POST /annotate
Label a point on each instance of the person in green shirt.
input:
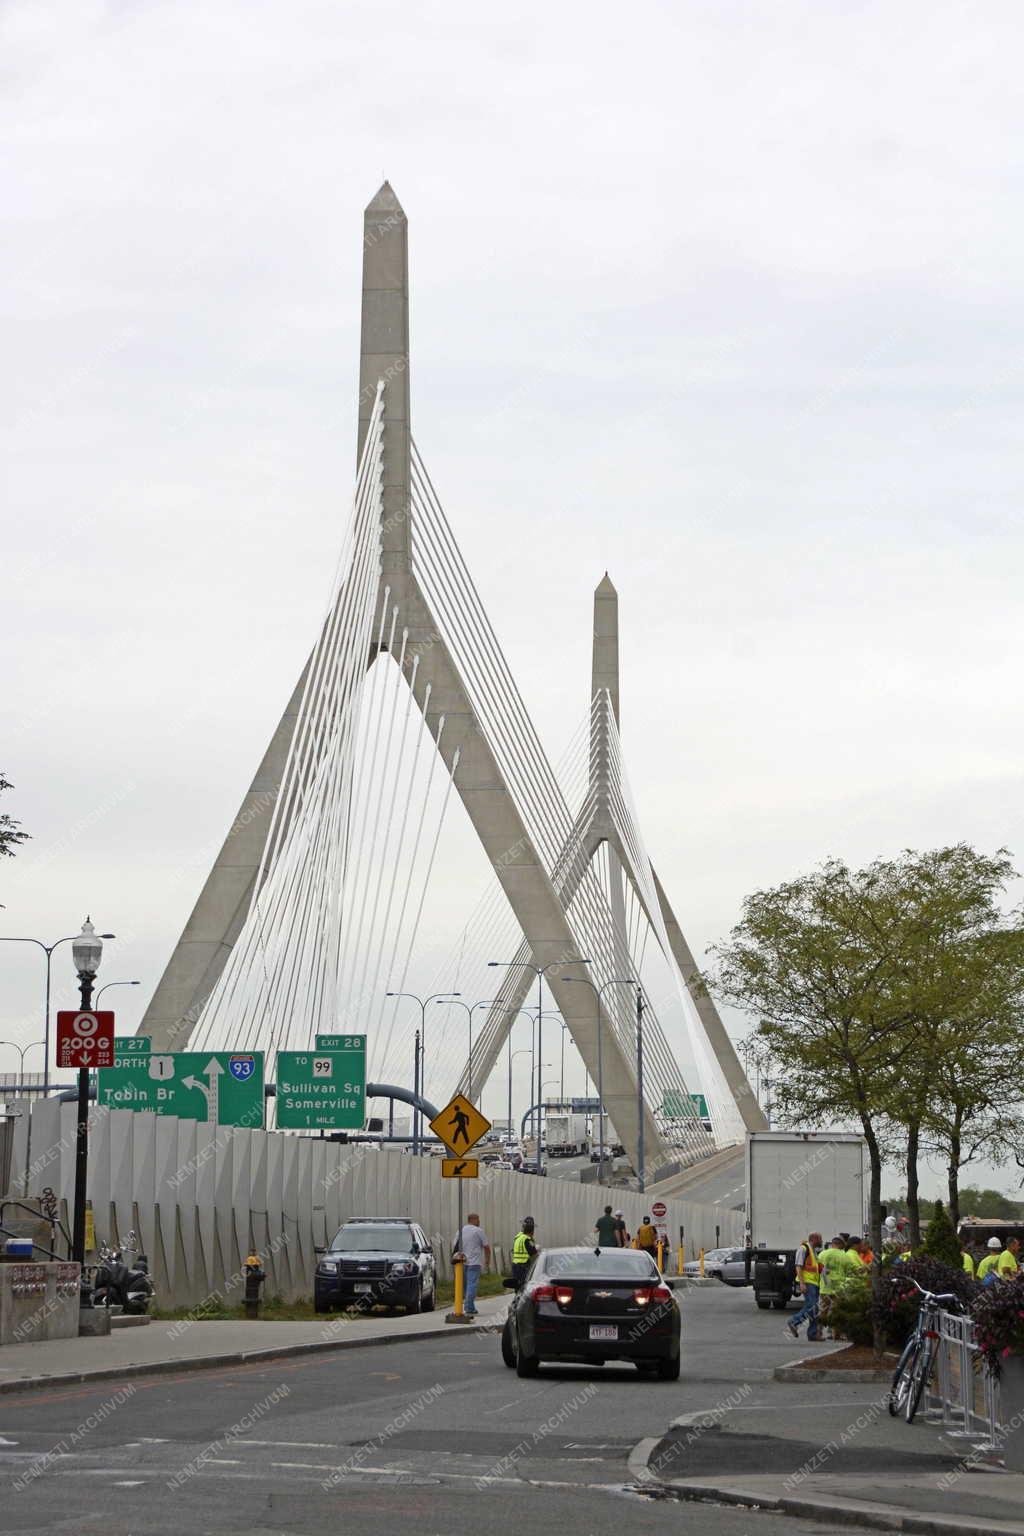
(967, 1259)
(991, 1258)
(834, 1266)
(1006, 1264)
(607, 1229)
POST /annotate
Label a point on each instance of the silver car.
(726, 1264)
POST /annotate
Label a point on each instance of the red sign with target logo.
(85, 1039)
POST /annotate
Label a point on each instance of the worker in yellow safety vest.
(1006, 1264)
(808, 1274)
(991, 1258)
(524, 1251)
(968, 1260)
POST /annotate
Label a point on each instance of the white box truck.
(799, 1182)
(565, 1134)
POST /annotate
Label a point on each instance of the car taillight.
(648, 1293)
(561, 1293)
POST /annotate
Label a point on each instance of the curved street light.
(48, 950)
(598, 991)
(107, 984)
(22, 1051)
(418, 1056)
(538, 970)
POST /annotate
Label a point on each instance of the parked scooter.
(127, 1286)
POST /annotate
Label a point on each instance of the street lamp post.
(47, 950)
(640, 1168)
(527, 1050)
(538, 970)
(487, 1002)
(616, 981)
(87, 951)
(421, 1056)
(21, 1050)
(107, 984)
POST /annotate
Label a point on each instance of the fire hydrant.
(254, 1278)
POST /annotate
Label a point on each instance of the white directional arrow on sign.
(210, 1090)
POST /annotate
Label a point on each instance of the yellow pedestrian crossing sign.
(460, 1168)
(459, 1125)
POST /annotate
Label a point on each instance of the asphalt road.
(430, 1437)
(726, 1186)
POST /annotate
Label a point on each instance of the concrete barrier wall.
(202, 1197)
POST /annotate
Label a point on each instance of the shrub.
(998, 1312)
(940, 1240)
(850, 1315)
(897, 1304)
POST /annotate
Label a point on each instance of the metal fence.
(962, 1394)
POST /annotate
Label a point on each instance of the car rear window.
(624, 1263)
(370, 1237)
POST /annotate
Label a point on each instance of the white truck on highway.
(799, 1182)
(565, 1134)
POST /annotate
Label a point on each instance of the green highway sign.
(323, 1089)
(341, 1043)
(219, 1087)
(676, 1107)
(131, 1045)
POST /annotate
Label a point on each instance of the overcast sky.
(724, 298)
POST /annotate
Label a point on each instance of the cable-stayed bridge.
(317, 905)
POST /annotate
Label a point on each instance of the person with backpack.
(647, 1238)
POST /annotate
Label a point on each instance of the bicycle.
(918, 1357)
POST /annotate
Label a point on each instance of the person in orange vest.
(808, 1274)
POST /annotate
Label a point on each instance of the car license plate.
(365, 1289)
(603, 1331)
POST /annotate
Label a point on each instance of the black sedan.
(591, 1305)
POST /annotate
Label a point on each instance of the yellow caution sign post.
(460, 1126)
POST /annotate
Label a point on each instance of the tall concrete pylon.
(597, 825)
(440, 694)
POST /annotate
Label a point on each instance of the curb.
(799, 1370)
(840, 1511)
(215, 1362)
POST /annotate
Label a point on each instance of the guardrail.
(962, 1394)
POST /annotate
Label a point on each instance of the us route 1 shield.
(218, 1087)
(322, 1090)
(460, 1168)
(460, 1125)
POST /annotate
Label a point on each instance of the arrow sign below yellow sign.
(460, 1168)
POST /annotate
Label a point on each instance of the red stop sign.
(85, 1039)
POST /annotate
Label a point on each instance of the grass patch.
(274, 1309)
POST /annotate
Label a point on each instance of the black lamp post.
(87, 951)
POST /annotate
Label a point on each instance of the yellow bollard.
(702, 1263)
(679, 1259)
(661, 1257)
(460, 1286)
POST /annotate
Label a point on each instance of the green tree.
(940, 1240)
(10, 836)
(989, 1202)
(816, 961)
(881, 992)
(959, 965)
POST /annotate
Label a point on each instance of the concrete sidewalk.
(819, 1445)
(185, 1346)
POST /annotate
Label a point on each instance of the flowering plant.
(998, 1313)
